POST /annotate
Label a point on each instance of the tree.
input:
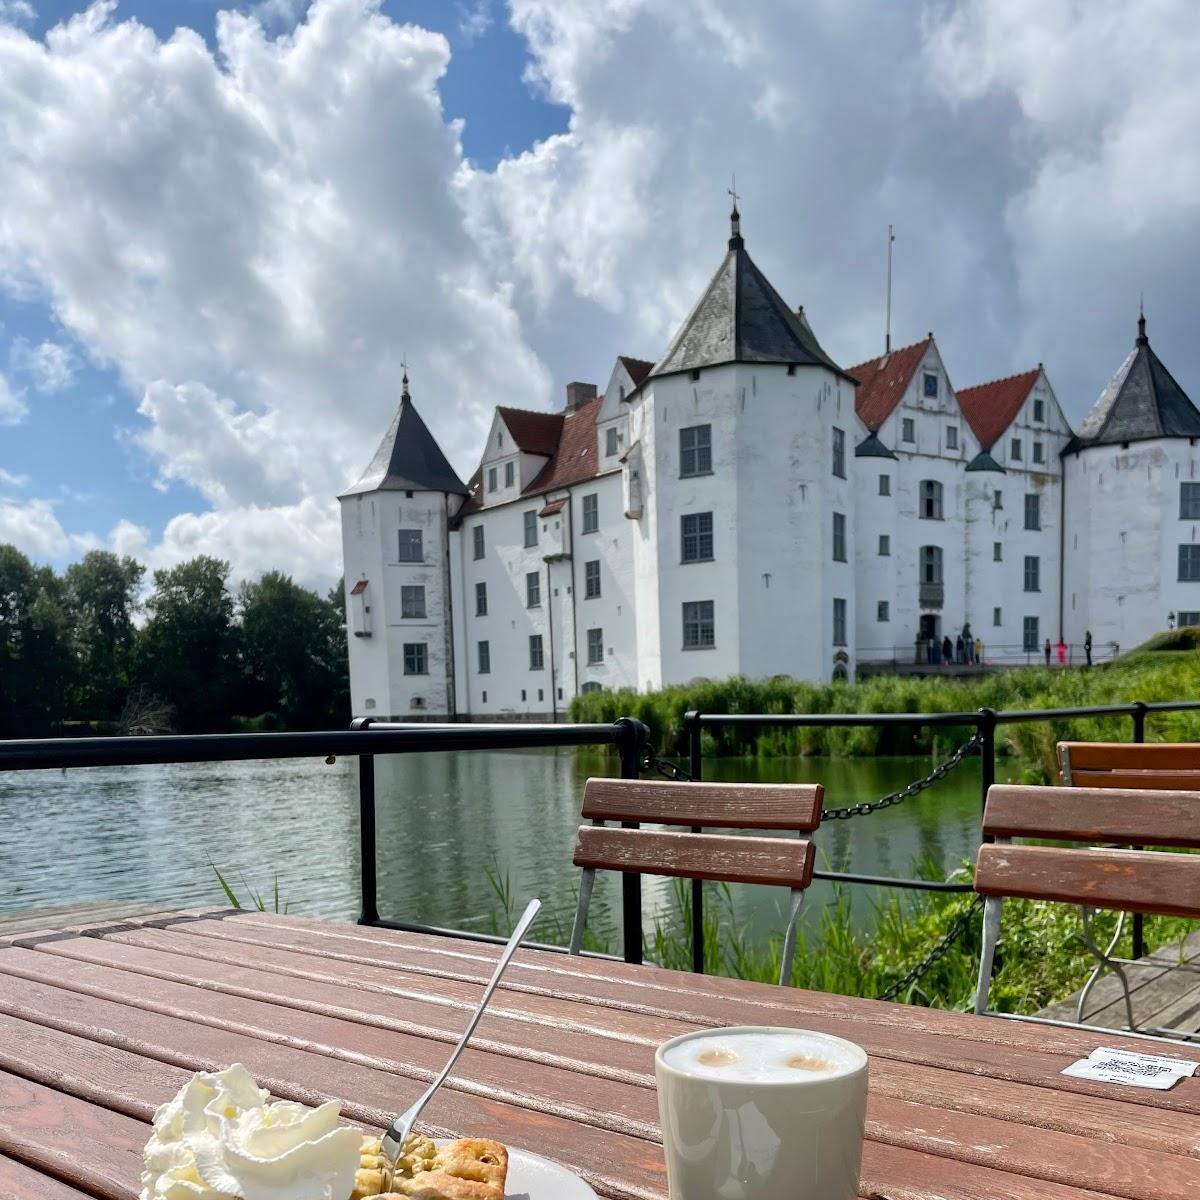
(102, 599)
(293, 653)
(189, 644)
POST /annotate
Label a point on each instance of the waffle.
(466, 1169)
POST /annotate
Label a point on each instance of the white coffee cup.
(761, 1113)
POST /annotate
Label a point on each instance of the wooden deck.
(64, 916)
(1165, 988)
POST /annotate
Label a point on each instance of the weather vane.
(733, 190)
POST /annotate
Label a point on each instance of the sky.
(223, 227)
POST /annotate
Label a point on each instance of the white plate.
(531, 1177)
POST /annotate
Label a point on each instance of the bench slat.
(1127, 880)
(1077, 814)
(1109, 756)
(782, 806)
(782, 861)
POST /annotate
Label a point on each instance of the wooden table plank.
(19, 1182)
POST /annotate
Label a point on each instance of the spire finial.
(735, 219)
(1142, 339)
(404, 380)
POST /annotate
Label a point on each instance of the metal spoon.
(398, 1131)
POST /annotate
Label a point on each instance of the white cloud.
(16, 12)
(12, 479)
(34, 528)
(475, 19)
(12, 404)
(50, 365)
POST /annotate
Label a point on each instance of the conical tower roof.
(1142, 401)
(742, 318)
(409, 458)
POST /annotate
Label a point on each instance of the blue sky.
(73, 447)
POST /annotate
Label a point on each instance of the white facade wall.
(371, 525)
(1121, 569)
(877, 544)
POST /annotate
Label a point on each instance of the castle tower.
(395, 545)
(1132, 476)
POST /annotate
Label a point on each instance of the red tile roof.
(638, 368)
(991, 407)
(534, 432)
(553, 507)
(576, 458)
(882, 382)
(359, 588)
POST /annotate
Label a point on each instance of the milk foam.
(786, 1056)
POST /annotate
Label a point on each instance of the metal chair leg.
(581, 910)
(992, 908)
(1103, 959)
(789, 938)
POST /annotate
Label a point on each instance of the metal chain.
(936, 954)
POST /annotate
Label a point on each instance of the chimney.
(579, 393)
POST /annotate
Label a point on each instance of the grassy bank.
(1167, 668)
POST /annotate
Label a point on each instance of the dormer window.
(610, 441)
(931, 384)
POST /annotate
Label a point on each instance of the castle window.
(996, 617)
(881, 611)
(536, 661)
(416, 658)
(491, 479)
(1031, 637)
(509, 474)
(1015, 450)
(931, 384)
(1039, 410)
(1039, 452)
(533, 590)
(997, 552)
(611, 445)
(696, 540)
(839, 452)
(1033, 511)
(699, 627)
(931, 564)
(885, 545)
(412, 601)
(477, 533)
(1188, 618)
(695, 450)
(839, 537)
(951, 437)
(481, 599)
(1033, 573)
(1189, 563)
(595, 646)
(908, 430)
(1189, 501)
(591, 513)
(591, 579)
(410, 549)
(931, 500)
(997, 499)
(485, 658)
(885, 485)
(590, 687)
(839, 622)
(531, 527)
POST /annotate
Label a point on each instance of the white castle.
(746, 506)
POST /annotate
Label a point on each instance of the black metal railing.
(984, 722)
(365, 740)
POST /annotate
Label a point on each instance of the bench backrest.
(789, 862)
(1170, 765)
(1127, 880)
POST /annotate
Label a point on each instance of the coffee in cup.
(762, 1113)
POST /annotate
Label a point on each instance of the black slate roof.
(1142, 401)
(983, 461)
(408, 459)
(872, 447)
(742, 318)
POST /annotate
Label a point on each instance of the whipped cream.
(219, 1139)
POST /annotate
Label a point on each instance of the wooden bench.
(1170, 765)
(1093, 876)
(786, 862)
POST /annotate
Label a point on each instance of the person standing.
(947, 651)
(969, 642)
(1046, 650)
(979, 650)
(960, 650)
(1087, 646)
(1061, 651)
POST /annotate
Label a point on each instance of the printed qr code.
(1126, 1067)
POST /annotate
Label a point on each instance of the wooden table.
(99, 1025)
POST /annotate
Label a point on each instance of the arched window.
(931, 564)
(931, 500)
(591, 686)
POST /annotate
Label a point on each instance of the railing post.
(632, 737)
(987, 755)
(1138, 712)
(691, 721)
(366, 829)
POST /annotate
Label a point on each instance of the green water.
(149, 833)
